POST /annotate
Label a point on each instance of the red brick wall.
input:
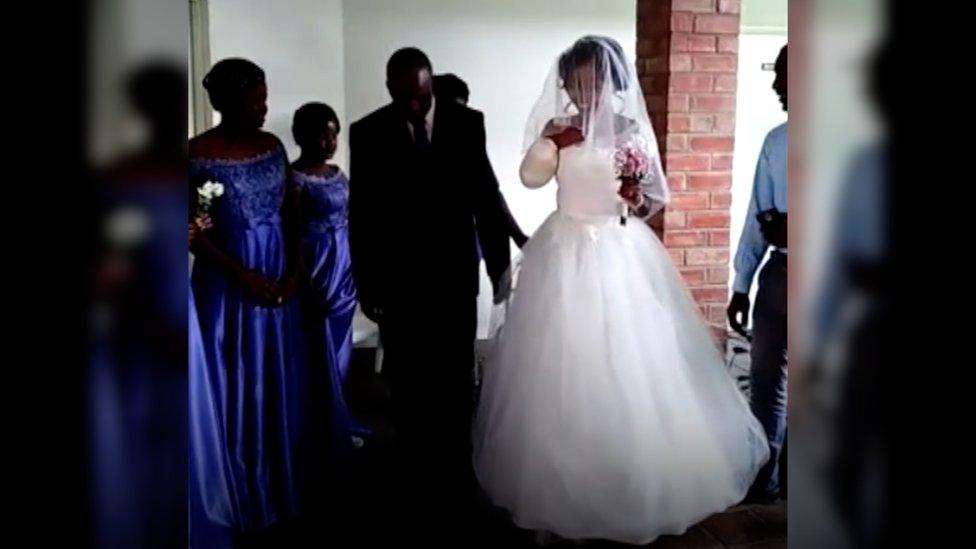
(687, 55)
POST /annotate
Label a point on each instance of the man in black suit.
(422, 195)
(450, 87)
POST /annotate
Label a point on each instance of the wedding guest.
(329, 303)
(765, 228)
(450, 87)
(423, 196)
(244, 275)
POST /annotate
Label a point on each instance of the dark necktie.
(420, 139)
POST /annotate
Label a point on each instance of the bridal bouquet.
(630, 162)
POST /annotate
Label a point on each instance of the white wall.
(299, 45)
(758, 110)
(503, 49)
(336, 51)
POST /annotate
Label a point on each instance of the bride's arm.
(542, 159)
(653, 189)
(540, 163)
(650, 194)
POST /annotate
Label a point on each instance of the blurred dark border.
(49, 239)
(52, 228)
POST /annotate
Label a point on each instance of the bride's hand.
(630, 191)
(567, 137)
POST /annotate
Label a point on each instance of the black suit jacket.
(414, 218)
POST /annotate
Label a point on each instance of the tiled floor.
(753, 526)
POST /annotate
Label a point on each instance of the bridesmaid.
(244, 275)
(330, 302)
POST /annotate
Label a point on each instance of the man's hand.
(738, 313)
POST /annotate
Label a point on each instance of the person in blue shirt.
(765, 229)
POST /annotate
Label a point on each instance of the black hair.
(310, 121)
(782, 57)
(405, 59)
(587, 49)
(883, 69)
(230, 80)
(156, 86)
(449, 86)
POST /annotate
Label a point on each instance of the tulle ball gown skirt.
(606, 410)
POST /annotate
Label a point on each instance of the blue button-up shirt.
(768, 193)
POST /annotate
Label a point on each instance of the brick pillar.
(687, 55)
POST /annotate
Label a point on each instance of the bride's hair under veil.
(593, 87)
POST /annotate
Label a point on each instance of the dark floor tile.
(732, 528)
(694, 538)
(771, 514)
(770, 544)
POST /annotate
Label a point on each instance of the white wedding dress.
(606, 410)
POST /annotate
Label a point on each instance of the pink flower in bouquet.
(631, 161)
(631, 164)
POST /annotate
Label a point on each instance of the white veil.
(593, 87)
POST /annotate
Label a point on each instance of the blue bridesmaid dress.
(252, 393)
(329, 303)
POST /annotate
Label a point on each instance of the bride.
(606, 410)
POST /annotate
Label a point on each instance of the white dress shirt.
(428, 122)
